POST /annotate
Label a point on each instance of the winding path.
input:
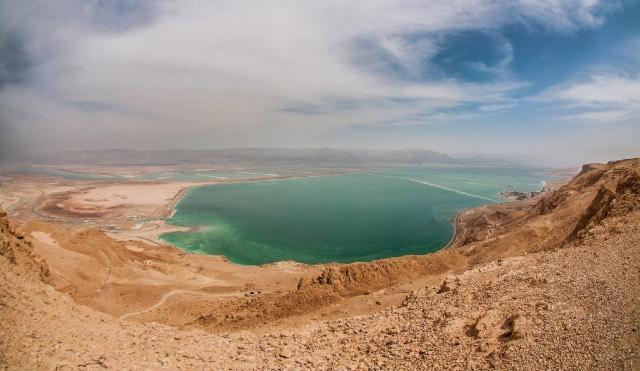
(167, 296)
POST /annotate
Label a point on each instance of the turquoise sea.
(340, 218)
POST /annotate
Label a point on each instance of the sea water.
(339, 218)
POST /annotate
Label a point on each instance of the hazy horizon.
(556, 82)
(273, 156)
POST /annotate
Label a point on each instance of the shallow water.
(340, 218)
(60, 173)
(178, 175)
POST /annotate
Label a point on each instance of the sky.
(557, 81)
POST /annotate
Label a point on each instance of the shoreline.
(170, 209)
(459, 227)
(456, 224)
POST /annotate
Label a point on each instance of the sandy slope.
(563, 293)
(577, 307)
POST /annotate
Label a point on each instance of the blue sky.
(558, 81)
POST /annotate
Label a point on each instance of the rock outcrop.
(18, 252)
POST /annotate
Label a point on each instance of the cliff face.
(599, 191)
(618, 193)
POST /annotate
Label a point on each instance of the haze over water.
(340, 218)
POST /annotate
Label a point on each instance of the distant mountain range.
(254, 157)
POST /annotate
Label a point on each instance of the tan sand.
(146, 232)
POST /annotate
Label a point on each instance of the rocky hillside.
(18, 254)
(568, 300)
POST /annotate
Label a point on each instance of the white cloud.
(602, 89)
(497, 107)
(223, 73)
(606, 116)
(601, 97)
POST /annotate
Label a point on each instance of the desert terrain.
(549, 282)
